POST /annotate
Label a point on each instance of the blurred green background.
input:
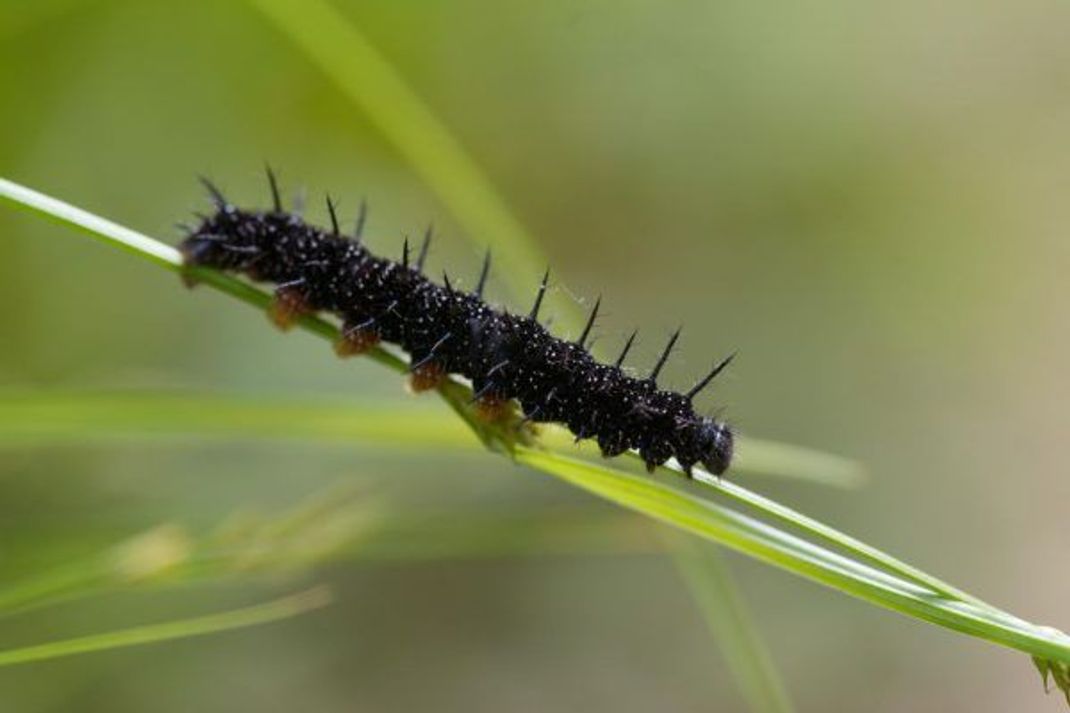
(866, 200)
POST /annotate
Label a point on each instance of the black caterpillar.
(448, 331)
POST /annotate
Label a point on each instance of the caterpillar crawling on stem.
(445, 331)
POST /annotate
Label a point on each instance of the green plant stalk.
(706, 571)
(455, 394)
(829, 535)
(47, 417)
(32, 418)
(182, 629)
(767, 544)
(339, 49)
(896, 588)
(365, 76)
(70, 581)
(259, 547)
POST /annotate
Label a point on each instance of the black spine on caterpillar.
(447, 331)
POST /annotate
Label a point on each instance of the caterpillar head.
(715, 446)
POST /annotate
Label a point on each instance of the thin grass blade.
(335, 44)
(787, 551)
(39, 417)
(182, 629)
(705, 571)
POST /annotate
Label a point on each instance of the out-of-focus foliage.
(866, 201)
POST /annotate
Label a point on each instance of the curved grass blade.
(456, 395)
(907, 593)
(706, 572)
(326, 530)
(40, 418)
(314, 531)
(787, 551)
(367, 78)
(30, 418)
(825, 533)
(338, 48)
(758, 455)
(277, 610)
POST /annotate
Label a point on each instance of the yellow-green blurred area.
(867, 201)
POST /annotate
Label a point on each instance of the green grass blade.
(706, 573)
(182, 629)
(330, 526)
(163, 255)
(757, 455)
(70, 581)
(339, 49)
(100, 228)
(787, 551)
(372, 83)
(364, 75)
(34, 418)
(780, 513)
(38, 417)
(455, 394)
(852, 567)
(1054, 672)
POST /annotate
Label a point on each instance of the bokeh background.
(867, 201)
